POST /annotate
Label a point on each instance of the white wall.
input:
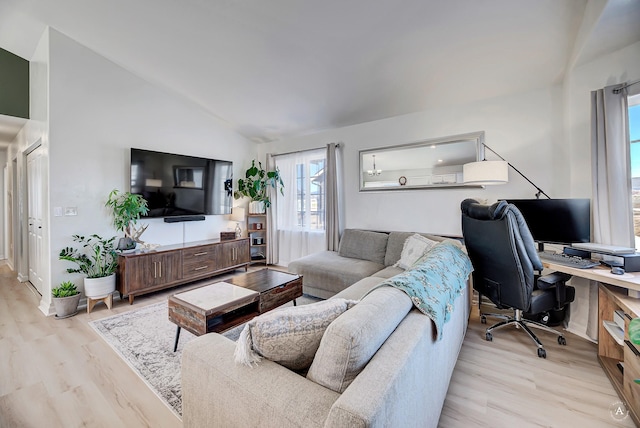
(525, 129)
(99, 110)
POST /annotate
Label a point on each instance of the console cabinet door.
(233, 253)
(149, 271)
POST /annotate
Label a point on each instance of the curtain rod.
(625, 86)
(301, 151)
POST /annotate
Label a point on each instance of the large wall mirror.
(434, 163)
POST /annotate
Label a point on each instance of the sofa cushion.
(388, 272)
(360, 289)
(288, 336)
(326, 273)
(364, 245)
(355, 336)
(396, 241)
(414, 247)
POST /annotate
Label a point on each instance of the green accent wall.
(14, 85)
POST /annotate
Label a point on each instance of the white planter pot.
(100, 287)
(257, 207)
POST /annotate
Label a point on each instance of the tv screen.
(556, 221)
(180, 185)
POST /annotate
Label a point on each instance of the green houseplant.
(634, 335)
(65, 299)
(126, 209)
(97, 259)
(255, 185)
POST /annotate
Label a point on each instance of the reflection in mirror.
(426, 164)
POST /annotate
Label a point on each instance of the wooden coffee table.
(219, 306)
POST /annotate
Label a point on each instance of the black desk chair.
(505, 259)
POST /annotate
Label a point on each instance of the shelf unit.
(257, 230)
(612, 354)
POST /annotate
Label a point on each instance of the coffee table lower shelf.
(218, 324)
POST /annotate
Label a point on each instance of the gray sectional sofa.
(362, 254)
(379, 364)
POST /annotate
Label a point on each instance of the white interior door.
(35, 207)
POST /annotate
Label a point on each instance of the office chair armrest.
(557, 280)
(551, 280)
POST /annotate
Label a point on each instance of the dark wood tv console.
(144, 272)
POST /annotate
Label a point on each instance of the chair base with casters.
(523, 323)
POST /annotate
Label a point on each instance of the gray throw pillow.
(355, 336)
(363, 245)
(289, 336)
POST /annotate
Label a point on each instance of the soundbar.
(179, 218)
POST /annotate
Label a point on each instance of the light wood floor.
(60, 373)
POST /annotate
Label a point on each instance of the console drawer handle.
(204, 253)
(201, 267)
(633, 348)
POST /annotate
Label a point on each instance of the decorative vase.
(257, 207)
(126, 244)
(66, 306)
(100, 287)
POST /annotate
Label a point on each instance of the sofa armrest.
(218, 392)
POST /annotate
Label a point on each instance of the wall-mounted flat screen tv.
(180, 185)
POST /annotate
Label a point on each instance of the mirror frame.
(479, 142)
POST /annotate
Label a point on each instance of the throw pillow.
(288, 336)
(414, 247)
(354, 337)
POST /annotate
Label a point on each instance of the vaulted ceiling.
(277, 68)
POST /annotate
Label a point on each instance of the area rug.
(144, 339)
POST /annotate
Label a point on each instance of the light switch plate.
(70, 210)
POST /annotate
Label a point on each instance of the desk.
(630, 280)
(612, 296)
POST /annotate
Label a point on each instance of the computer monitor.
(556, 221)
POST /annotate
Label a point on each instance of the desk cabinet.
(612, 354)
(140, 273)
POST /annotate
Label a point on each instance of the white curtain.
(611, 187)
(334, 204)
(272, 221)
(297, 234)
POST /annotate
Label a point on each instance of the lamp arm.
(540, 191)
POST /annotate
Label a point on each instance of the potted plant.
(97, 258)
(634, 335)
(255, 186)
(65, 299)
(126, 210)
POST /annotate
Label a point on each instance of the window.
(300, 211)
(304, 178)
(310, 194)
(634, 138)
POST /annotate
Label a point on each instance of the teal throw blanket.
(434, 281)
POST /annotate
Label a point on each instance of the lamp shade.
(237, 214)
(485, 172)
